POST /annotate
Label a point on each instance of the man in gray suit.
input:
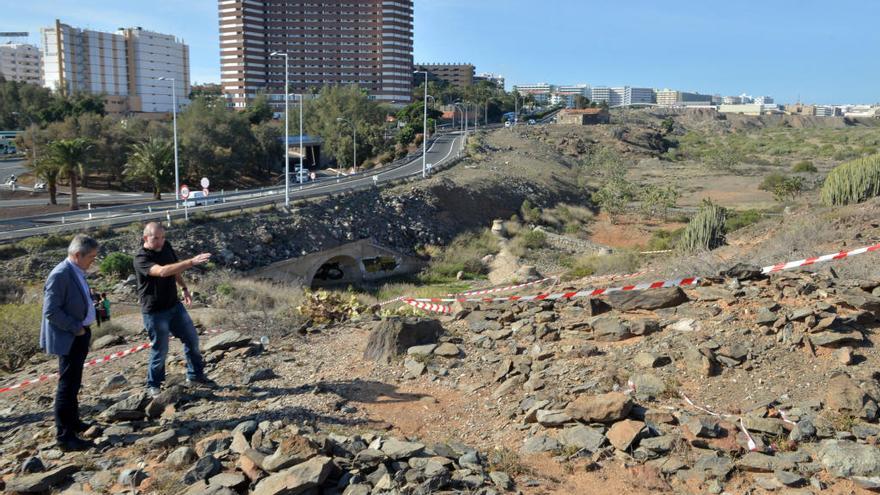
(67, 313)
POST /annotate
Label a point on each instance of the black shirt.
(156, 293)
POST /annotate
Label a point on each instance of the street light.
(174, 114)
(287, 133)
(424, 125)
(463, 108)
(353, 139)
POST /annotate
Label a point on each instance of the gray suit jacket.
(65, 307)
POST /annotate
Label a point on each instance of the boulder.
(610, 329)
(648, 386)
(538, 444)
(297, 479)
(844, 458)
(743, 271)
(582, 438)
(604, 408)
(41, 482)
(107, 341)
(843, 395)
(203, 469)
(447, 349)
(646, 299)
(225, 341)
(291, 451)
(393, 336)
(396, 449)
(624, 434)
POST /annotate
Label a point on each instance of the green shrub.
(19, 334)
(771, 182)
(40, 243)
(118, 264)
(530, 214)
(852, 182)
(662, 240)
(805, 166)
(706, 230)
(9, 251)
(619, 262)
(739, 219)
(463, 254)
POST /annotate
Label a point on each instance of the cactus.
(706, 229)
(852, 182)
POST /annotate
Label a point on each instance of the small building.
(750, 109)
(584, 116)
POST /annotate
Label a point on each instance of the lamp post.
(424, 125)
(353, 139)
(174, 117)
(286, 131)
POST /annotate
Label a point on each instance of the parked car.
(198, 198)
(531, 121)
(506, 123)
(40, 186)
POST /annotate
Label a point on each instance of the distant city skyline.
(792, 50)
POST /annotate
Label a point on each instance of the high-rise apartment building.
(20, 62)
(124, 66)
(328, 42)
(460, 75)
(638, 96)
(540, 91)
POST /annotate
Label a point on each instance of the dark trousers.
(70, 369)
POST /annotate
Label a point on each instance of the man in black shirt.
(158, 272)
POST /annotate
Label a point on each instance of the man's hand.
(200, 259)
(81, 332)
(187, 297)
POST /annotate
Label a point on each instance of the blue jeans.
(174, 321)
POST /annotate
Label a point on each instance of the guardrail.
(171, 214)
(224, 196)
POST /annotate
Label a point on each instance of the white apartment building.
(601, 94)
(541, 92)
(124, 66)
(731, 100)
(20, 62)
(638, 96)
(496, 79)
(763, 100)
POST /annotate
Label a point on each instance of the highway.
(441, 150)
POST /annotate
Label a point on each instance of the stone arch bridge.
(351, 263)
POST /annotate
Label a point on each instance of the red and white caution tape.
(88, 364)
(436, 308)
(680, 282)
(819, 259)
(501, 289)
(385, 303)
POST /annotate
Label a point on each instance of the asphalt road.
(11, 167)
(444, 147)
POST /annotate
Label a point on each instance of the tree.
(581, 101)
(69, 155)
(614, 196)
(352, 104)
(153, 161)
(49, 172)
(259, 110)
(657, 200)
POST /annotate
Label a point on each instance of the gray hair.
(82, 245)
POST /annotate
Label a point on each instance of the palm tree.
(49, 172)
(152, 160)
(68, 155)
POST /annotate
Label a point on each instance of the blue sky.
(820, 51)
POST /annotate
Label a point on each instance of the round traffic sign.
(205, 191)
(205, 183)
(184, 191)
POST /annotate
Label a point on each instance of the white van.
(198, 198)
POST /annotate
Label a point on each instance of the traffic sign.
(205, 191)
(205, 183)
(184, 191)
